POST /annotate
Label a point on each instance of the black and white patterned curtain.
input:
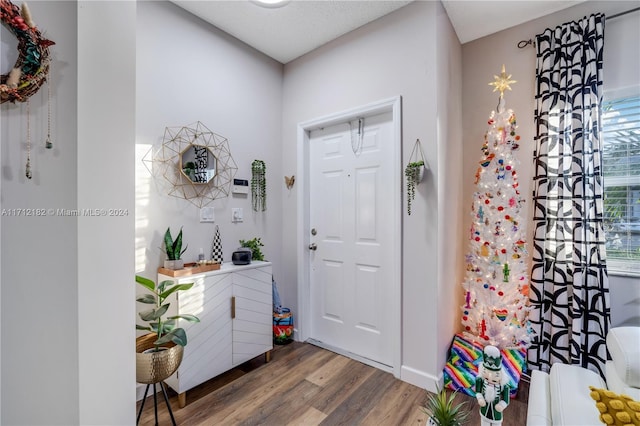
(569, 282)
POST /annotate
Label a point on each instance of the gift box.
(465, 356)
(282, 327)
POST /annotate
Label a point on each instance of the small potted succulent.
(443, 412)
(174, 250)
(159, 353)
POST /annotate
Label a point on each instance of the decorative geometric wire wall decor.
(192, 163)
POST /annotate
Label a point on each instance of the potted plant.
(258, 185)
(414, 173)
(159, 353)
(189, 170)
(443, 412)
(174, 250)
(254, 245)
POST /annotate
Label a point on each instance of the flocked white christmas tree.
(496, 284)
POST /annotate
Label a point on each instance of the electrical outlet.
(236, 214)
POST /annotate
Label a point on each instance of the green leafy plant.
(189, 169)
(165, 329)
(442, 410)
(173, 247)
(412, 172)
(254, 245)
(258, 185)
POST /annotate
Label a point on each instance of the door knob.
(313, 246)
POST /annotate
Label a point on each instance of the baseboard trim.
(420, 378)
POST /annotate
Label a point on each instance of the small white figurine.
(492, 387)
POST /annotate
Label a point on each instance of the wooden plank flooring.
(306, 385)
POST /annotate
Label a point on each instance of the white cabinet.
(235, 307)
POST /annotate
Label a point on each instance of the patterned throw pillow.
(618, 410)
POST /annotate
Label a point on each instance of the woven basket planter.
(154, 367)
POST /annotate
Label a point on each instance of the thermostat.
(240, 186)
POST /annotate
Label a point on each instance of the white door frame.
(393, 105)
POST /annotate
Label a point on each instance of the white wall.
(105, 281)
(452, 211)
(189, 71)
(39, 264)
(482, 59)
(395, 55)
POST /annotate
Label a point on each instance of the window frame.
(617, 266)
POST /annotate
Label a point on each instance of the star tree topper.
(502, 82)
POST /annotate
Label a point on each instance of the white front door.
(352, 209)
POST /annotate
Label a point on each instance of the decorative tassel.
(48, 144)
(27, 169)
(26, 15)
(14, 78)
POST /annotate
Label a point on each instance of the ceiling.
(300, 26)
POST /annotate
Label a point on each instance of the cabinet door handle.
(233, 307)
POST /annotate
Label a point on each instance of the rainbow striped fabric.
(466, 356)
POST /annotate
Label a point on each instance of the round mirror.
(198, 164)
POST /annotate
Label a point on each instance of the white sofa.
(561, 397)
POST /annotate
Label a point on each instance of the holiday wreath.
(32, 67)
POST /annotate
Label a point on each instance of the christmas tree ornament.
(501, 83)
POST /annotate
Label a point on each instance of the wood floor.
(307, 385)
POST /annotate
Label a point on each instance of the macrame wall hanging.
(31, 69)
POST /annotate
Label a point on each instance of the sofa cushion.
(539, 403)
(615, 383)
(623, 344)
(570, 400)
(619, 410)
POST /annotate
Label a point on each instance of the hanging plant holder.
(414, 172)
(258, 185)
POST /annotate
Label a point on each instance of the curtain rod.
(623, 13)
(524, 43)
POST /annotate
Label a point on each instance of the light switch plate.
(236, 214)
(207, 215)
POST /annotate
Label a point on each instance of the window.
(621, 167)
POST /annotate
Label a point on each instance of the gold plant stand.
(154, 367)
